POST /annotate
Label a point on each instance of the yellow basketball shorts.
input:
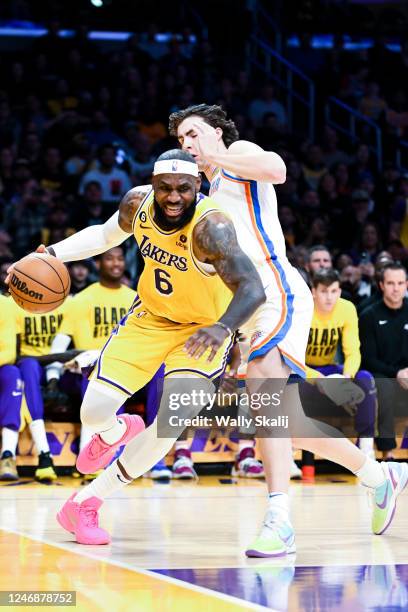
(142, 342)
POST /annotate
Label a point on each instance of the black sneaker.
(45, 470)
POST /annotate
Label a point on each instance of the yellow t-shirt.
(174, 284)
(37, 331)
(9, 326)
(328, 332)
(92, 314)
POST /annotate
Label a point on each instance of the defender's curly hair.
(213, 115)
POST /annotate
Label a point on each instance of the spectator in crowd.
(332, 155)
(314, 167)
(372, 104)
(384, 346)
(90, 210)
(375, 296)
(334, 328)
(79, 273)
(368, 244)
(399, 213)
(318, 257)
(267, 103)
(114, 181)
(11, 390)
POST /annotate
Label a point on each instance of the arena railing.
(295, 89)
(351, 123)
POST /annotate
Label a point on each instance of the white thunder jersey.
(284, 319)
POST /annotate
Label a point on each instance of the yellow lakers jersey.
(330, 331)
(92, 314)
(9, 326)
(37, 331)
(174, 284)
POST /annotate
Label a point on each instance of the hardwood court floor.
(179, 545)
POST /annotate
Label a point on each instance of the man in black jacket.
(384, 349)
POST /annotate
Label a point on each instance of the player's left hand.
(39, 249)
(206, 140)
(206, 338)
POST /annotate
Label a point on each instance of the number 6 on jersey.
(162, 282)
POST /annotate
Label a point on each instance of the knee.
(29, 366)
(365, 380)
(10, 373)
(98, 406)
(365, 375)
(90, 414)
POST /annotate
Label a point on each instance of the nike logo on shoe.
(16, 393)
(382, 322)
(383, 504)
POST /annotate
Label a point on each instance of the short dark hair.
(92, 184)
(317, 247)
(214, 115)
(176, 154)
(326, 277)
(393, 265)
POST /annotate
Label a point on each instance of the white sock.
(182, 444)
(86, 435)
(366, 444)
(9, 440)
(114, 433)
(37, 429)
(111, 480)
(245, 444)
(279, 503)
(371, 473)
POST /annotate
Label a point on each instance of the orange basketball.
(39, 283)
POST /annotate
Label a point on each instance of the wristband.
(225, 327)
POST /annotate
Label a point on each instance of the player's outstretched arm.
(97, 239)
(215, 242)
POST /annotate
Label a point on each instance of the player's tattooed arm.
(215, 242)
(129, 206)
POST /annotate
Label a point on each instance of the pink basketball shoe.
(246, 466)
(97, 454)
(82, 521)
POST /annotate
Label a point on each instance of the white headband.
(175, 166)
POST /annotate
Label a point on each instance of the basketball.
(39, 283)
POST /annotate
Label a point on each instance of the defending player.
(242, 177)
(196, 289)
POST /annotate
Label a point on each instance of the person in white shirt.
(114, 181)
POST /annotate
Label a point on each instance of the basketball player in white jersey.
(242, 176)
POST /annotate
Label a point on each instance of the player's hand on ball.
(206, 338)
(39, 249)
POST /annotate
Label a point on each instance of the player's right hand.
(206, 338)
(39, 249)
